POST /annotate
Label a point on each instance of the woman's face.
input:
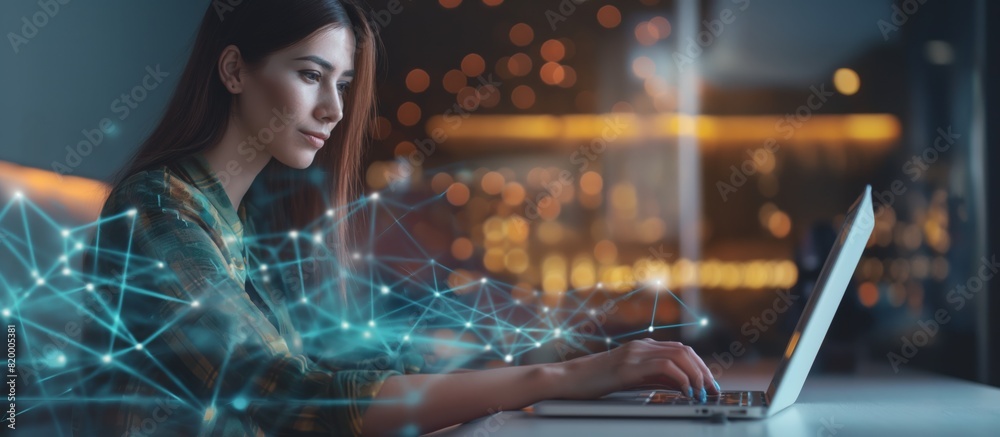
(289, 105)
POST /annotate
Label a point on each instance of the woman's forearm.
(433, 402)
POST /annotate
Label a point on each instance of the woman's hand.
(636, 364)
(447, 399)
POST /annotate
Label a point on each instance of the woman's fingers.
(671, 362)
(692, 365)
(683, 360)
(710, 384)
(655, 370)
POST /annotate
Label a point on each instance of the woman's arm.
(442, 400)
(196, 322)
(432, 402)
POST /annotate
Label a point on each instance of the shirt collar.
(201, 176)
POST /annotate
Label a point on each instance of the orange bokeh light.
(417, 80)
(408, 114)
(553, 50)
(521, 34)
(458, 194)
(473, 65)
(609, 16)
(523, 97)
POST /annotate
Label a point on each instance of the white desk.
(883, 404)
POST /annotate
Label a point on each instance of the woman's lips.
(317, 142)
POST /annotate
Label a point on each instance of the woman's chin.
(299, 161)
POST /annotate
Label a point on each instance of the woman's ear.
(230, 67)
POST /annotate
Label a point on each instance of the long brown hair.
(199, 109)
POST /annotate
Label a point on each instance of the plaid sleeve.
(197, 320)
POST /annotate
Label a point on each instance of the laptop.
(795, 363)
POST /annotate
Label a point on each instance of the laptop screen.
(822, 305)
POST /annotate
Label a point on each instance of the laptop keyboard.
(661, 397)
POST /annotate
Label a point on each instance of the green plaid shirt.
(218, 367)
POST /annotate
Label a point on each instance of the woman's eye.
(344, 87)
(311, 75)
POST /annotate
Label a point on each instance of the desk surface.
(887, 404)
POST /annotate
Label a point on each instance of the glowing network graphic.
(402, 300)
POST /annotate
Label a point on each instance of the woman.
(203, 343)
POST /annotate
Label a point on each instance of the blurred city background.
(584, 147)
